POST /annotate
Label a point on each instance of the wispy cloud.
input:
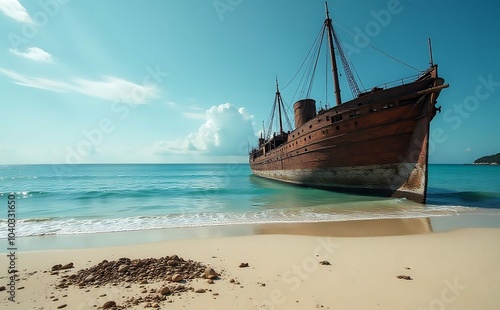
(15, 10)
(194, 113)
(108, 88)
(113, 88)
(35, 54)
(36, 82)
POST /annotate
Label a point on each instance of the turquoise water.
(78, 199)
(466, 185)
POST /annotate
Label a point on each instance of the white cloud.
(113, 88)
(15, 10)
(226, 131)
(108, 88)
(35, 54)
(35, 82)
(198, 113)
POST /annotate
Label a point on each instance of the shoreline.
(455, 269)
(350, 228)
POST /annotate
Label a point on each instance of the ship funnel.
(304, 111)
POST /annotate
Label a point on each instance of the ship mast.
(280, 102)
(328, 24)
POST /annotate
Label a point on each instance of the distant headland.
(488, 160)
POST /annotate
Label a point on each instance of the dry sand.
(449, 270)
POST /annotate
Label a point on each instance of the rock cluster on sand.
(141, 271)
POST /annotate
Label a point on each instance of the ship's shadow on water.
(276, 193)
(481, 199)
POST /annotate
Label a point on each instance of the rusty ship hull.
(375, 144)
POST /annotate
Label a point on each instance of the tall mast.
(430, 53)
(328, 25)
(278, 99)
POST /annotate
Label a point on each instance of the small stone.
(324, 262)
(123, 268)
(67, 266)
(2, 288)
(62, 306)
(200, 290)
(215, 294)
(165, 290)
(210, 281)
(405, 277)
(231, 281)
(90, 278)
(109, 304)
(210, 273)
(243, 265)
(56, 267)
(177, 277)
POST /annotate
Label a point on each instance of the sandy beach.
(376, 265)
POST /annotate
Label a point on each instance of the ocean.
(104, 198)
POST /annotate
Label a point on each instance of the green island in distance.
(488, 160)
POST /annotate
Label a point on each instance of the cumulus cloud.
(34, 53)
(108, 88)
(15, 10)
(226, 131)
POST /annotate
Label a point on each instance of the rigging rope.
(315, 65)
(356, 72)
(306, 58)
(379, 50)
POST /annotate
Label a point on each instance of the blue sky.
(191, 81)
